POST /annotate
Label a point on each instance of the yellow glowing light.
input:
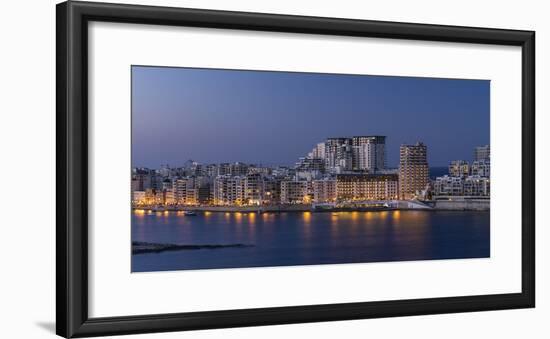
(396, 214)
(307, 217)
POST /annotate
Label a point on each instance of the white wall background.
(27, 153)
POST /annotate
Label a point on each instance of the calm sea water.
(305, 238)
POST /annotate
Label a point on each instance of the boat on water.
(190, 213)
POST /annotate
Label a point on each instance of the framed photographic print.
(222, 169)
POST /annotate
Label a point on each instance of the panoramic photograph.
(250, 168)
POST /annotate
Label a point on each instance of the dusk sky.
(273, 118)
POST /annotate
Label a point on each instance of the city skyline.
(473, 157)
(174, 118)
(347, 172)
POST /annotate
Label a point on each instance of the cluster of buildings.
(466, 179)
(337, 171)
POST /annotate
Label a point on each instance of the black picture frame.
(72, 319)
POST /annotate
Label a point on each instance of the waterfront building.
(229, 190)
(253, 189)
(482, 153)
(179, 187)
(191, 196)
(159, 197)
(138, 197)
(470, 186)
(459, 168)
(272, 190)
(413, 170)
(197, 191)
(149, 196)
(170, 196)
(203, 194)
(360, 187)
(477, 186)
(448, 186)
(191, 190)
(324, 190)
(295, 191)
(481, 168)
(154, 197)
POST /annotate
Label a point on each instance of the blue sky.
(212, 115)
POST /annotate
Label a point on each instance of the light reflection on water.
(300, 238)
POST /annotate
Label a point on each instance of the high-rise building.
(482, 153)
(413, 170)
(359, 153)
(369, 153)
(318, 151)
(339, 154)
